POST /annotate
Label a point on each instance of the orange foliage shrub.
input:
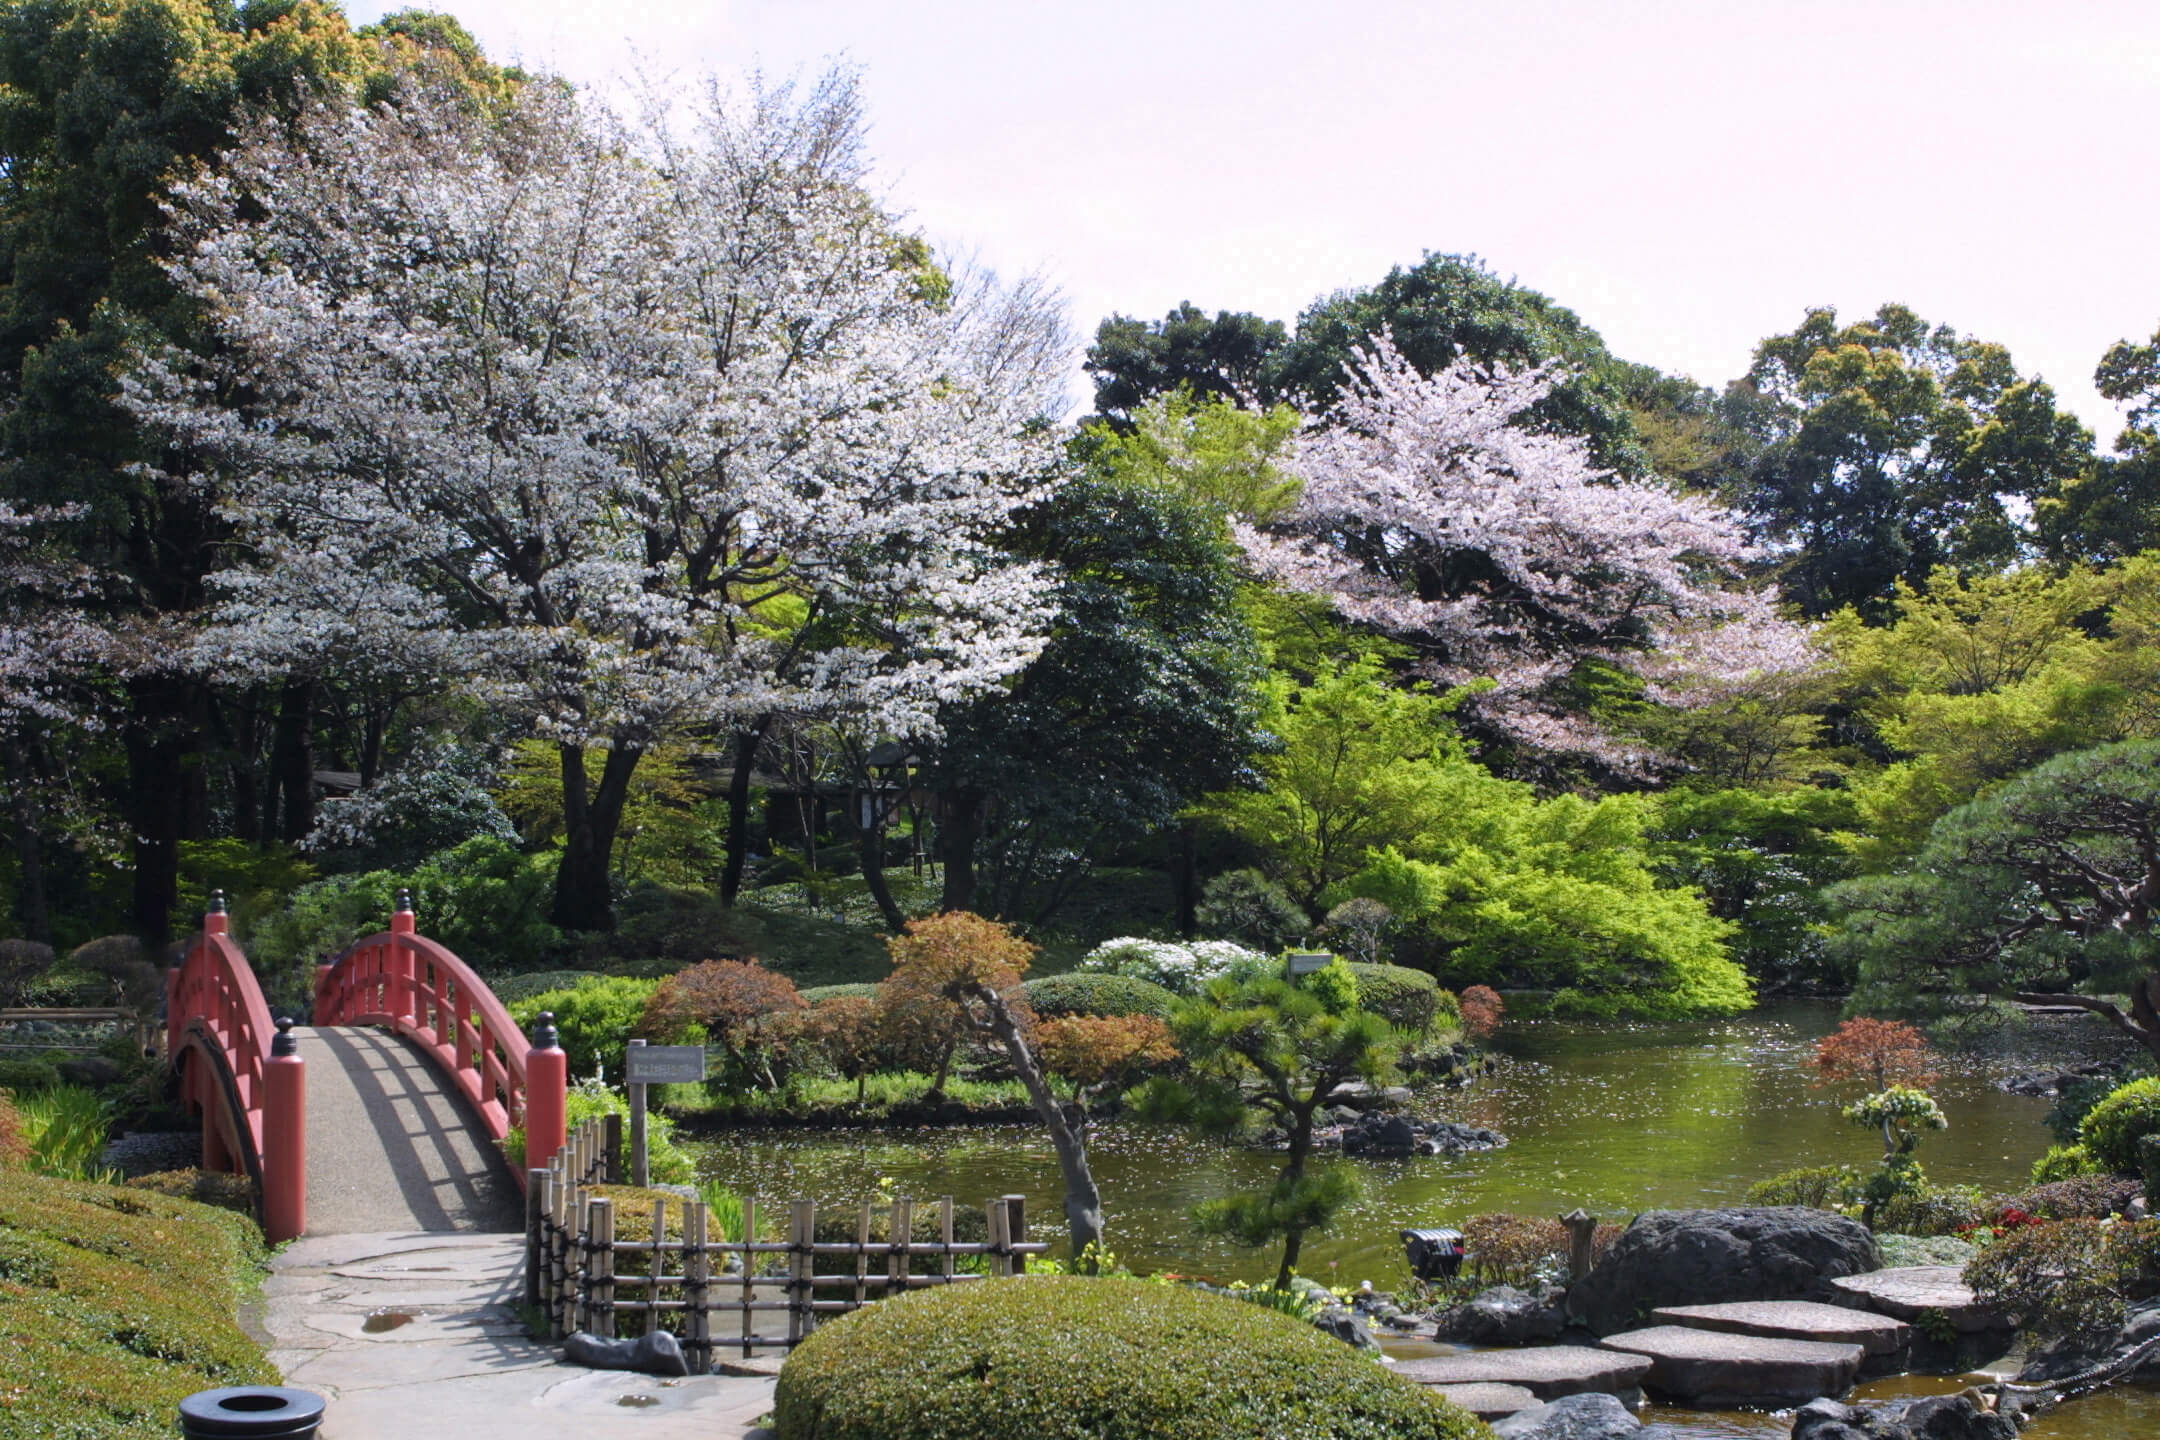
(733, 1000)
(939, 959)
(1877, 1053)
(1481, 1011)
(1092, 1050)
(14, 1150)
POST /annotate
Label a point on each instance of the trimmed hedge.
(24, 1076)
(2111, 1129)
(539, 982)
(116, 1305)
(1090, 994)
(1064, 1357)
(861, 990)
(1405, 998)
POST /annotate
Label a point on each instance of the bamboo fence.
(576, 1272)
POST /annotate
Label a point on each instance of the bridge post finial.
(215, 920)
(284, 1044)
(404, 900)
(547, 1092)
(401, 920)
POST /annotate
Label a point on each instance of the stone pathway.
(419, 1334)
(1720, 1370)
(1546, 1371)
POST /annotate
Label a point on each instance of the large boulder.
(1591, 1416)
(1964, 1416)
(1503, 1315)
(1697, 1257)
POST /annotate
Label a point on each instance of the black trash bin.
(1433, 1253)
(251, 1411)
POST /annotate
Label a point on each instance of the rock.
(1546, 1371)
(1884, 1339)
(1715, 1371)
(1452, 1137)
(1910, 1291)
(1385, 1136)
(1489, 1401)
(2074, 1357)
(1345, 1326)
(1695, 1257)
(1929, 1417)
(1592, 1415)
(1503, 1315)
(655, 1354)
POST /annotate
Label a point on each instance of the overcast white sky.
(1688, 175)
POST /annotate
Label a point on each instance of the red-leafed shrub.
(1877, 1054)
(1481, 1011)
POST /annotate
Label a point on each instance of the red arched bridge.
(386, 1112)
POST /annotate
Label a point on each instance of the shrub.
(1072, 1358)
(204, 1187)
(2110, 1132)
(1934, 1210)
(524, 987)
(858, 990)
(1481, 1009)
(1819, 1187)
(1878, 1054)
(1182, 969)
(2082, 1197)
(1359, 928)
(2075, 1101)
(735, 1002)
(21, 961)
(1502, 1249)
(14, 1150)
(1101, 1053)
(1083, 994)
(1246, 906)
(2064, 1162)
(668, 1162)
(24, 1076)
(119, 1304)
(1407, 999)
(1899, 1251)
(2069, 1277)
(592, 1022)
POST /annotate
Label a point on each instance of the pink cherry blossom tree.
(1506, 554)
(628, 431)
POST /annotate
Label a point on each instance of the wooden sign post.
(644, 1065)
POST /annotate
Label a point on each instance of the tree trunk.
(1293, 1172)
(870, 849)
(747, 745)
(160, 744)
(374, 723)
(584, 898)
(292, 760)
(958, 830)
(1083, 1201)
(237, 735)
(31, 911)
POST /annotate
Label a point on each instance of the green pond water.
(1613, 1118)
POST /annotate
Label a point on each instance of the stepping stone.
(1490, 1402)
(1711, 1370)
(1879, 1335)
(1910, 1290)
(1546, 1371)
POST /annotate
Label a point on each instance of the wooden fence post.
(600, 1241)
(903, 1243)
(697, 1272)
(611, 1146)
(1016, 1229)
(999, 1249)
(802, 1234)
(536, 1183)
(749, 1271)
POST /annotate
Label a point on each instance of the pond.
(1614, 1118)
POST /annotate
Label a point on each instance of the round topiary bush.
(1064, 1357)
(2111, 1131)
(1405, 998)
(1089, 994)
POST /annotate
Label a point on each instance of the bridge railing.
(249, 1081)
(418, 988)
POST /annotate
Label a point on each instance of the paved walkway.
(413, 1336)
(391, 1147)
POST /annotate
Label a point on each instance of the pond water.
(1614, 1118)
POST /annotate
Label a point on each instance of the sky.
(1689, 176)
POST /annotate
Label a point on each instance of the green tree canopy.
(1889, 447)
(2047, 890)
(1224, 358)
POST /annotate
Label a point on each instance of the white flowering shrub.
(1182, 969)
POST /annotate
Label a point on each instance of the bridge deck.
(391, 1147)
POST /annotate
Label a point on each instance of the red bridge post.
(403, 998)
(547, 1094)
(284, 1158)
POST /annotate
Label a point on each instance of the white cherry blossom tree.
(636, 431)
(1507, 554)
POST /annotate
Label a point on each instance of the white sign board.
(663, 1064)
(1305, 962)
